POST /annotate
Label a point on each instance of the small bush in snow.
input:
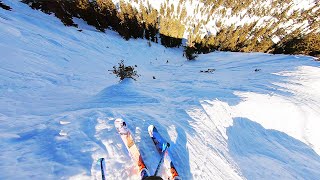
(189, 52)
(208, 71)
(124, 71)
(3, 6)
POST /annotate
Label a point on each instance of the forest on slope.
(207, 25)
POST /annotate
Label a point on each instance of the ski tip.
(150, 130)
(118, 122)
(150, 127)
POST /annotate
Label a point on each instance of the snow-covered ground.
(58, 103)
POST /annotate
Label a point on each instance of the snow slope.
(58, 103)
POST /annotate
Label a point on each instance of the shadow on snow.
(269, 154)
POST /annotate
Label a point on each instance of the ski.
(127, 139)
(161, 158)
(161, 144)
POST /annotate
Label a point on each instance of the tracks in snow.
(208, 146)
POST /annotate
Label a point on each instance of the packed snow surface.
(256, 116)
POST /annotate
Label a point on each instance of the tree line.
(125, 19)
(171, 23)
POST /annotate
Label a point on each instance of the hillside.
(280, 27)
(227, 115)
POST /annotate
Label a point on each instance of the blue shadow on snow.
(118, 95)
(269, 154)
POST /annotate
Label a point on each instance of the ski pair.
(158, 141)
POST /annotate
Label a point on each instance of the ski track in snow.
(58, 103)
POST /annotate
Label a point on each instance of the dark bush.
(124, 71)
(168, 41)
(189, 52)
(208, 71)
(3, 6)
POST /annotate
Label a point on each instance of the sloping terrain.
(250, 116)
